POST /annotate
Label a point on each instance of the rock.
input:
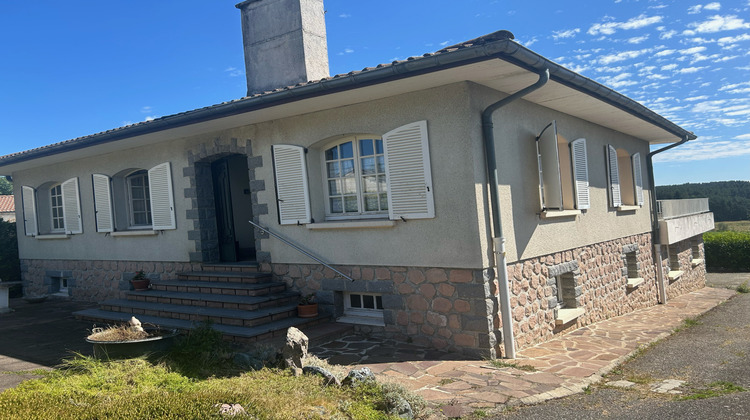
(135, 324)
(231, 409)
(401, 408)
(328, 376)
(357, 376)
(294, 350)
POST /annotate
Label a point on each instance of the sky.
(70, 69)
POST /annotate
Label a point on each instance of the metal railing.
(670, 209)
(291, 244)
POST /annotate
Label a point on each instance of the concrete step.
(219, 288)
(222, 316)
(260, 333)
(226, 276)
(246, 303)
(238, 267)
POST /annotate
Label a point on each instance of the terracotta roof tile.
(7, 204)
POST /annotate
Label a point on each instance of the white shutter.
(614, 177)
(407, 166)
(102, 203)
(71, 206)
(637, 178)
(28, 196)
(580, 173)
(162, 200)
(292, 192)
(548, 159)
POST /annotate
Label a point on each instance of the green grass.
(714, 389)
(500, 364)
(743, 288)
(738, 226)
(687, 323)
(191, 383)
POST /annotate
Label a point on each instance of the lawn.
(737, 226)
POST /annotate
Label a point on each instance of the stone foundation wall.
(600, 275)
(441, 308)
(693, 275)
(93, 280)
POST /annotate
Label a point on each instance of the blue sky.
(71, 69)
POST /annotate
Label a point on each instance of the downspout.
(498, 239)
(660, 283)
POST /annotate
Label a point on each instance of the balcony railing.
(670, 209)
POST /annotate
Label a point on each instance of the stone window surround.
(568, 314)
(202, 210)
(52, 282)
(631, 265)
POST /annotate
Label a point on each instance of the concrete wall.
(528, 236)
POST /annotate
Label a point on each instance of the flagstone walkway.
(563, 366)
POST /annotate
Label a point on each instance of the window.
(363, 308)
(362, 176)
(134, 199)
(139, 201)
(355, 178)
(53, 208)
(563, 171)
(625, 178)
(56, 209)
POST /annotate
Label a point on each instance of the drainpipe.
(498, 239)
(661, 284)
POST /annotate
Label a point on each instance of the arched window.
(139, 200)
(57, 218)
(355, 178)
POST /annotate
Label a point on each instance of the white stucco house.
(479, 198)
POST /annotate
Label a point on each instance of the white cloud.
(717, 23)
(742, 137)
(692, 10)
(150, 118)
(621, 56)
(733, 86)
(233, 71)
(689, 70)
(705, 150)
(638, 39)
(146, 110)
(693, 50)
(610, 28)
(712, 6)
(733, 39)
(667, 34)
(698, 8)
(345, 15)
(346, 51)
(569, 33)
(696, 98)
(669, 67)
(664, 53)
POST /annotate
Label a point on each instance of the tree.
(6, 187)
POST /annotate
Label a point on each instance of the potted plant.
(140, 282)
(130, 340)
(307, 307)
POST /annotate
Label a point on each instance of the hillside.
(728, 200)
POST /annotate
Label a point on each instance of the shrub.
(727, 251)
(10, 266)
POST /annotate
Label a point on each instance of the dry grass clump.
(117, 333)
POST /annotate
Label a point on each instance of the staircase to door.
(244, 304)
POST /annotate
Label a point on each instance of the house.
(7, 208)
(480, 198)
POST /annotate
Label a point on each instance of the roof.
(567, 91)
(7, 204)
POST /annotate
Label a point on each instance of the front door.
(224, 216)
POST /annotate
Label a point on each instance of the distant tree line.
(728, 200)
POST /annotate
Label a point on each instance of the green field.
(738, 226)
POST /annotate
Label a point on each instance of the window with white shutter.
(580, 173)
(638, 179)
(71, 206)
(161, 197)
(28, 196)
(550, 184)
(103, 203)
(613, 176)
(409, 178)
(292, 192)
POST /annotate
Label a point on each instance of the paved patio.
(40, 335)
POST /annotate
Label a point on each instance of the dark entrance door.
(224, 217)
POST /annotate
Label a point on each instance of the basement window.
(631, 265)
(695, 249)
(674, 263)
(363, 308)
(567, 305)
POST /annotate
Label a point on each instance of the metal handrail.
(288, 242)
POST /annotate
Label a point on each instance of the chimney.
(285, 43)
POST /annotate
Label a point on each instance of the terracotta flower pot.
(140, 285)
(307, 311)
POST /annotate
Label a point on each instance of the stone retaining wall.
(93, 281)
(441, 308)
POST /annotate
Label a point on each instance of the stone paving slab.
(564, 365)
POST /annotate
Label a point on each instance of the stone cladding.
(442, 308)
(691, 261)
(93, 280)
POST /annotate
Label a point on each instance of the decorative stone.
(400, 407)
(294, 350)
(330, 379)
(358, 376)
